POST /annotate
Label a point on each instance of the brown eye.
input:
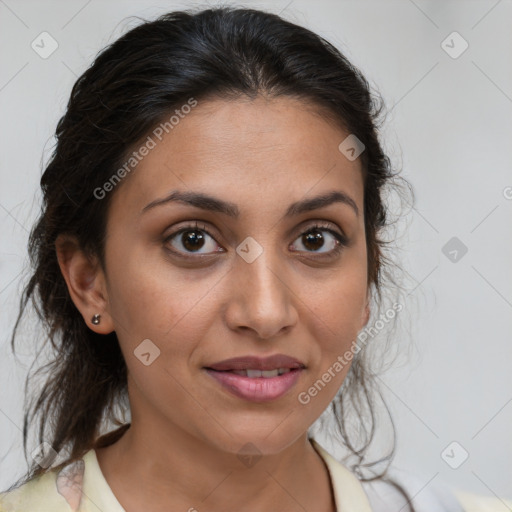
(321, 240)
(313, 240)
(192, 240)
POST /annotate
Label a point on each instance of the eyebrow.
(213, 204)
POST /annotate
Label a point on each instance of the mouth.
(257, 385)
(255, 374)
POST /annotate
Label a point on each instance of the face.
(262, 282)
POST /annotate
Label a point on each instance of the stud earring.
(96, 319)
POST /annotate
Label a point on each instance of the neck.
(169, 466)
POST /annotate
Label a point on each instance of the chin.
(257, 442)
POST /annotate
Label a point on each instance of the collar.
(349, 495)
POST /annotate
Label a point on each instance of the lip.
(257, 363)
(259, 389)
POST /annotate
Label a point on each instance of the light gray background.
(449, 128)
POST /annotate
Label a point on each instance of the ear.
(86, 283)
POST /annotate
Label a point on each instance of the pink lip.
(260, 389)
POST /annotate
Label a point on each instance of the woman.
(208, 254)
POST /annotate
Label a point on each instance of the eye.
(192, 240)
(313, 240)
(196, 239)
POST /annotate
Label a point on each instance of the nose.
(261, 297)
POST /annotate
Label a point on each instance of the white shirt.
(81, 487)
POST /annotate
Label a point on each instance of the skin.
(186, 430)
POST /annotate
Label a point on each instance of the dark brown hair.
(132, 86)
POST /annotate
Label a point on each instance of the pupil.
(193, 240)
(312, 238)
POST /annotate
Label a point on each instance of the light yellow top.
(81, 487)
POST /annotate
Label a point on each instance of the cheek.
(336, 311)
(335, 320)
(170, 307)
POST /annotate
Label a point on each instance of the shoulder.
(477, 503)
(427, 496)
(383, 496)
(55, 491)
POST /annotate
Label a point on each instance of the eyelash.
(319, 226)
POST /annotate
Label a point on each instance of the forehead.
(257, 153)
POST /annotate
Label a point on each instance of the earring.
(96, 319)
